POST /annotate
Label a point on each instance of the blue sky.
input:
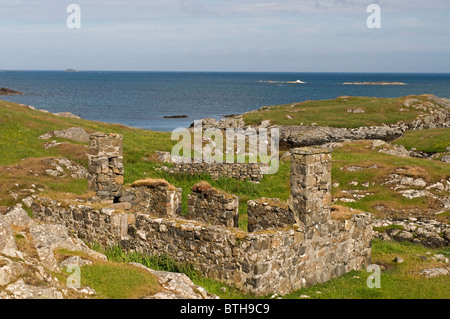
(227, 35)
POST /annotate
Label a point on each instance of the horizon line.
(213, 71)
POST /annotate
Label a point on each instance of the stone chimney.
(105, 165)
(310, 197)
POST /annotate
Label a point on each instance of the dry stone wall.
(268, 213)
(261, 262)
(289, 246)
(209, 205)
(240, 171)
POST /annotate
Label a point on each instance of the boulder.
(403, 236)
(9, 271)
(8, 245)
(17, 216)
(177, 286)
(67, 115)
(434, 272)
(21, 290)
(73, 133)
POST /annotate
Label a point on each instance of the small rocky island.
(6, 91)
(375, 83)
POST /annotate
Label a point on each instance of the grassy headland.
(340, 112)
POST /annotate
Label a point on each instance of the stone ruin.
(105, 165)
(287, 246)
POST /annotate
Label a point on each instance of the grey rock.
(395, 150)
(74, 260)
(403, 236)
(67, 115)
(28, 201)
(434, 272)
(177, 286)
(399, 260)
(73, 133)
(17, 216)
(20, 290)
(9, 271)
(440, 258)
(45, 136)
(48, 238)
(8, 245)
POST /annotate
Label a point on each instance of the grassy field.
(433, 140)
(375, 169)
(22, 155)
(335, 113)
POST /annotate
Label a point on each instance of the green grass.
(361, 154)
(156, 262)
(334, 112)
(165, 263)
(118, 281)
(398, 281)
(430, 141)
(20, 128)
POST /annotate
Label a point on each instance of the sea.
(146, 99)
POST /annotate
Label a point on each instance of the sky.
(226, 35)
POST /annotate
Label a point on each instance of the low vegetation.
(430, 141)
(336, 112)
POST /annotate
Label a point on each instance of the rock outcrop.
(6, 91)
(27, 259)
(72, 133)
(437, 115)
(176, 286)
(426, 231)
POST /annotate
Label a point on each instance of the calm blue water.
(141, 99)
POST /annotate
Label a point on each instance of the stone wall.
(268, 213)
(153, 196)
(262, 262)
(240, 171)
(209, 205)
(104, 225)
(105, 165)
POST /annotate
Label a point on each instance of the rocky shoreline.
(308, 135)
